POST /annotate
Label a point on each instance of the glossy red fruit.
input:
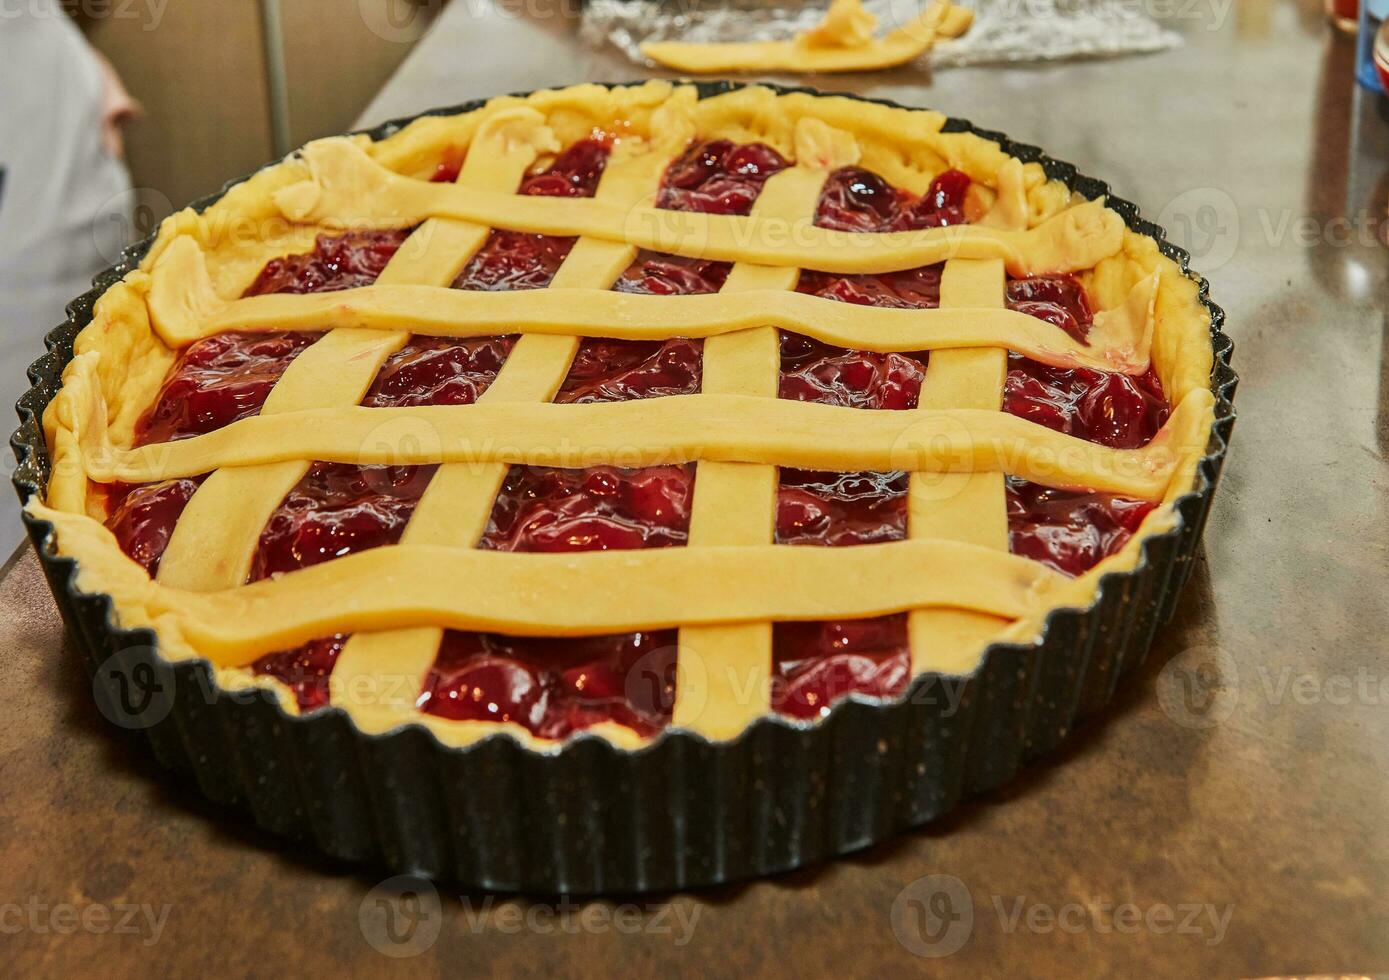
(555, 687)
(439, 371)
(911, 289)
(602, 508)
(217, 381)
(942, 204)
(336, 262)
(816, 372)
(1069, 530)
(618, 370)
(1115, 413)
(305, 670)
(837, 509)
(338, 509)
(515, 260)
(854, 199)
(718, 177)
(574, 173)
(487, 688)
(672, 275)
(1109, 409)
(1058, 299)
(816, 664)
(143, 517)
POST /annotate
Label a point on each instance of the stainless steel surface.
(1223, 818)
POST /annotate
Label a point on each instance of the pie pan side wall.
(681, 811)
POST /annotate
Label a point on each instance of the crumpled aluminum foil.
(1003, 30)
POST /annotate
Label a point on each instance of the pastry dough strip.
(650, 432)
(349, 189)
(722, 670)
(657, 588)
(969, 507)
(184, 308)
(835, 45)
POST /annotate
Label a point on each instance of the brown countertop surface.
(1223, 818)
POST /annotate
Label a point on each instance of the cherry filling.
(854, 199)
(815, 372)
(336, 509)
(1071, 531)
(910, 289)
(658, 274)
(142, 517)
(217, 381)
(555, 687)
(858, 200)
(520, 260)
(543, 508)
(439, 371)
(837, 509)
(341, 508)
(1057, 299)
(450, 165)
(304, 670)
(815, 663)
(1110, 409)
(719, 177)
(618, 370)
(336, 262)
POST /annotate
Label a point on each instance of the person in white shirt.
(65, 194)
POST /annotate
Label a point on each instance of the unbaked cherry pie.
(621, 410)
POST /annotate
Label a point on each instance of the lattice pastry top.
(550, 416)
